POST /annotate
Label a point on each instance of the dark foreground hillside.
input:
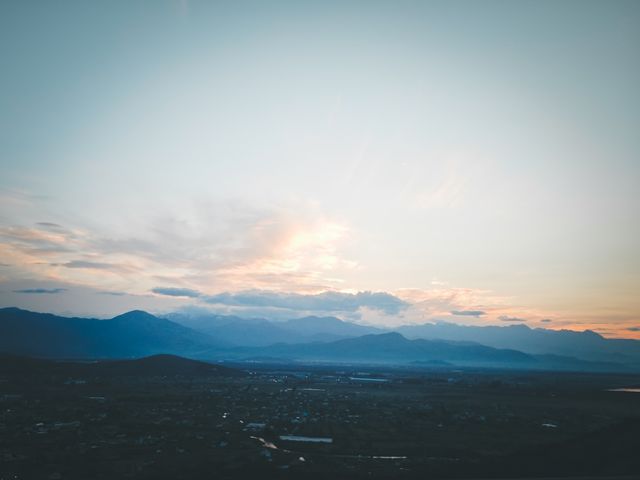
(163, 365)
(167, 417)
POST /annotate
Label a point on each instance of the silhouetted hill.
(393, 348)
(134, 334)
(153, 366)
(164, 365)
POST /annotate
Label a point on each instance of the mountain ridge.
(585, 345)
(46, 335)
(138, 333)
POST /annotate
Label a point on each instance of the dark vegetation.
(156, 365)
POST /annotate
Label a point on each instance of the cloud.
(209, 245)
(468, 313)
(34, 241)
(505, 318)
(78, 300)
(86, 264)
(546, 320)
(41, 290)
(437, 302)
(176, 292)
(634, 329)
(50, 225)
(288, 253)
(326, 301)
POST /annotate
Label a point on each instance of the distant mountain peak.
(136, 315)
(518, 326)
(592, 333)
(389, 338)
(390, 335)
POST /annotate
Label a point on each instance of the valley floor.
(373, 423)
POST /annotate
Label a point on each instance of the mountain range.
(131, 335)
(586, 345)
(311, 339)
(261, 332)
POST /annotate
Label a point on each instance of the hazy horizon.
(387, 163)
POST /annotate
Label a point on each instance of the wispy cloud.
(50, 225)
(41, 290)
(446, 188)
(292, 259)
(90, 265)
(326, 301)
(468, 313)
(176, 292)
(33, 241)
(506, 318)
(215, 246)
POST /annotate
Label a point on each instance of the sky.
(386, 162)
